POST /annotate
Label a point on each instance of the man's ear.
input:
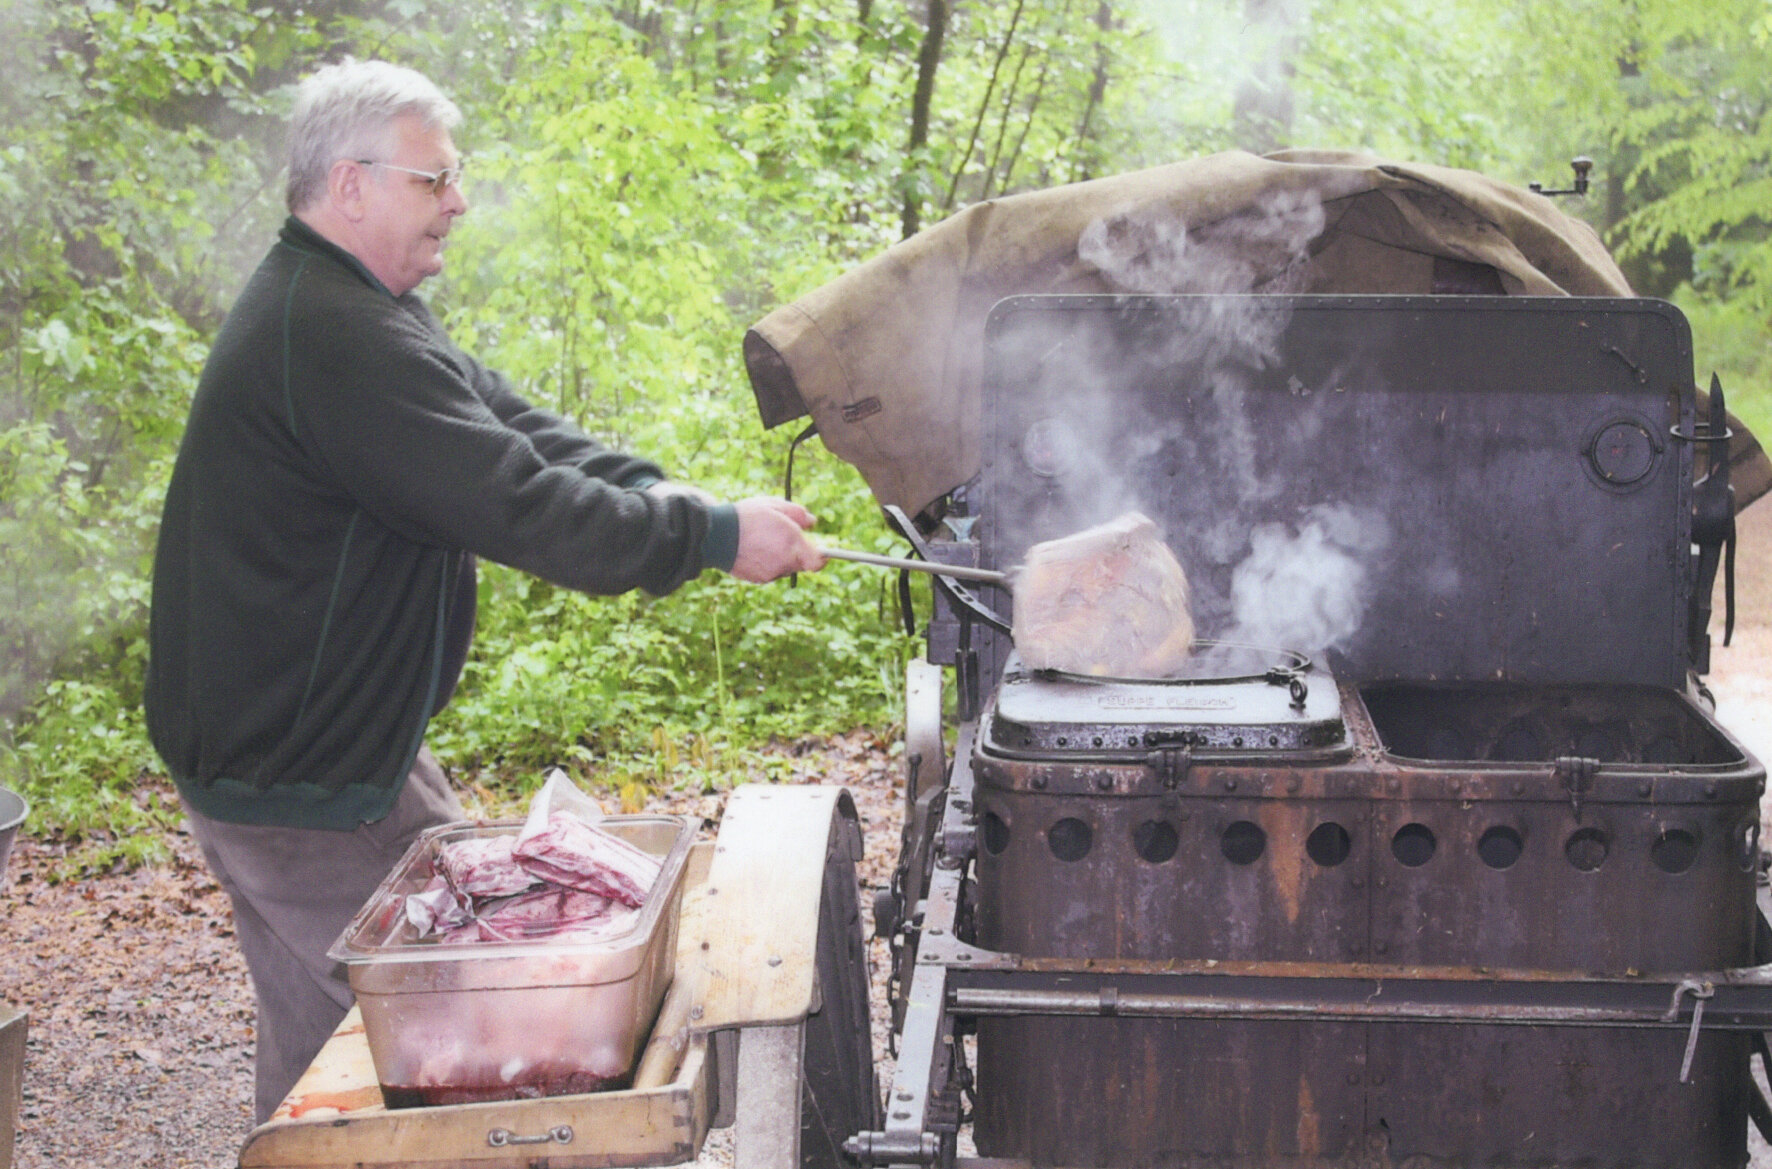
(345, 188)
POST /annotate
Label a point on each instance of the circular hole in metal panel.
(1243, 843)
(1069, 839)
(1413, 845)
(995, 834)
(1500, 846)
(1675, 849)
(1328, 844)
(1586, 848)
(1155, 841)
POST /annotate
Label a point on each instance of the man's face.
(404, 224)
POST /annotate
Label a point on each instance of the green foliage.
(560, 677)
(1699, 133)
(106, 218)
(1393, 101)
(619, 245)
(1729, 339)
(80, 768)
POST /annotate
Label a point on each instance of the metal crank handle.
(952, 571)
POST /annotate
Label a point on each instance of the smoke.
(1195, 424)
(1150, 249)
(1307, 587)
(1226, 64)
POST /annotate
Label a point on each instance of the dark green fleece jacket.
(342, 462)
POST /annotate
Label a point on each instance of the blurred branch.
(984, 105)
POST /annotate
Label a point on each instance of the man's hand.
(772, 540)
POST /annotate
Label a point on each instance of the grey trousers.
(294, 890)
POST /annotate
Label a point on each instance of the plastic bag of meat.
(570, 852)
(1109, 600)
(482, 867)
(436, 908)
(552, 912)
(558, 794)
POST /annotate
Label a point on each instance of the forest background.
(650, 177)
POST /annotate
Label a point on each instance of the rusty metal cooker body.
(1471, 882)
(1351, 855)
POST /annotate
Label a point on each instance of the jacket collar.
(300, 236)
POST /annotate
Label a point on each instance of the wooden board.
(12, 1070)
(758, 962)
(661, 1126)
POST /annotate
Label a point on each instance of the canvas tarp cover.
(887, 357)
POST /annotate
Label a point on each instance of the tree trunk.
(928, 61)
(1027, 123)
(784, 25)
(1010, 93)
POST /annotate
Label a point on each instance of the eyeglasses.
(439, 181)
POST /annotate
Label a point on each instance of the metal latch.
(1700, 991)
(1576, 773)
(1172, 764)
(1713, 529)
(1293, 680)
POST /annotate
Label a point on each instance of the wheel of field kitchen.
(839, 1095)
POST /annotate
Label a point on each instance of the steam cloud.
(1307, 588)
(1148, 249)
(1300, 581)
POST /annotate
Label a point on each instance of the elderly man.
(313, 600)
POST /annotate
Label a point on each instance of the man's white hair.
(348, 110)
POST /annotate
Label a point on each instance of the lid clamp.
(1713, 530)
(1172, 763)
(1293, 680)
(1577, 775)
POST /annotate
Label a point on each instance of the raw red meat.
(546, 913)
(481, 866)
(571, 880)
(573, 853)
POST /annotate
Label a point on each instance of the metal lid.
(1433, 487)
(1239, 699)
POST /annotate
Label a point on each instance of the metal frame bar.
(767, 1122)
(1737, 1005)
